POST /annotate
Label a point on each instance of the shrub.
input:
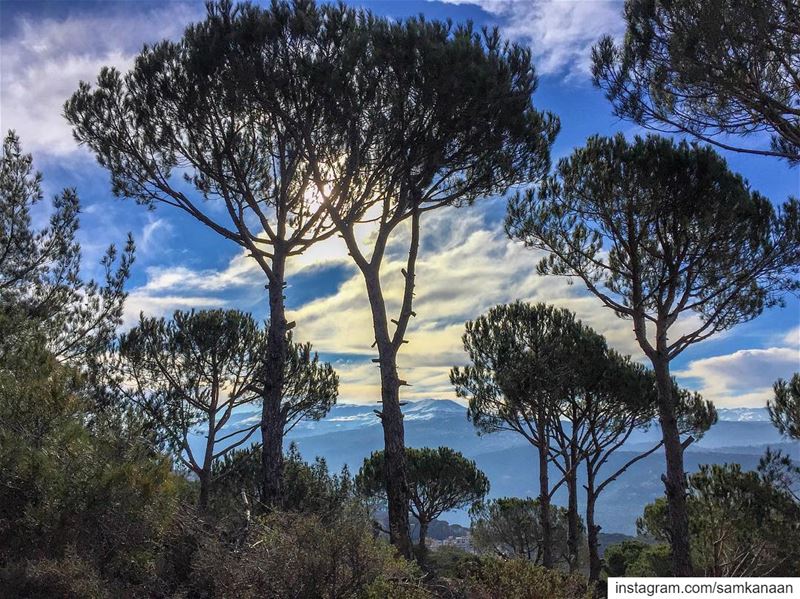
(497, 578)
(636, 558)
(284, 555)
(68, 577)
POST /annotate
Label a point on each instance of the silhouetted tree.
(511, 527)
(658, 231)
(585, 368)
(710, 69)
(626, 400)
(206, 125)
(189, 374)
(784, 408)
(427, 115)
(40, 282)
(522, 367)
(439, 480)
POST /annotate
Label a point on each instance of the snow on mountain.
(743, 414)
(350, 432)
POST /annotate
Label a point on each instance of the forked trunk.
(675, 478)
(274, 369)
(392, 421)
(423, 535)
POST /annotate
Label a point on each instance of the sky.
(466, 264)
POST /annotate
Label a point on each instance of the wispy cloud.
(466, 266)
(45, 59)
(153, 235)
(742, 378)
(559, 32)
(141, 302)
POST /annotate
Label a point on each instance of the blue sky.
(467, 264)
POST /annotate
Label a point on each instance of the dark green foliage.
(80, 488)
(741, 523)
(618, 556)
(519, 354)
(709, 69)
(511, 527)
(216, 103)
(439, 480)
(780, 471)
(636, 558)
(302, 118)
(661, 232)
(448, 561)
(308, 488)
(40, 283)
(784, 408)
(191, 372)
(85, 495)
(528, 362)
(726, 258)
(540, 372)
(424, 115)
(212, 119)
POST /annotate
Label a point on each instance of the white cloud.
(792, 338)
(44, 60)
(179, 288)
(152, 236)
(559, 32)
(743, 378)
(464, 268)
(140, 302)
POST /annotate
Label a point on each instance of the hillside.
(351, 432)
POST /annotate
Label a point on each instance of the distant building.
(462, 542)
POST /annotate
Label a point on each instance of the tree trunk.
(204, 473)
(544, 498)
(205, 489)
(392, 421)
(573, 523)
(675, 478)
(423, 534)
(274, 371)
(592, 530)
(394, 451)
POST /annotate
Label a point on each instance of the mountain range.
(350, 432)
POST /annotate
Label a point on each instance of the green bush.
(496, 578)
(300, 555)
(448, 562)
(636, 558)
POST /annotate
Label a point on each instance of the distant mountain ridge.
(351, 432)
